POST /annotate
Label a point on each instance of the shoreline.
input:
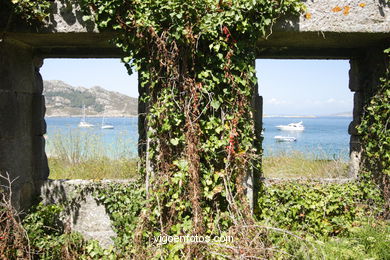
(280, 116)
(132, 116)
(91, 116)
(292, 116)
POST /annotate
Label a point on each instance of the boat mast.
(83, 113)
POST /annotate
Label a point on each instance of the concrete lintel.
(278, 45)
(329, 29)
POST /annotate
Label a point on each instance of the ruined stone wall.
(359, 34)
(82, 211)
(22, 125)
(365, 72)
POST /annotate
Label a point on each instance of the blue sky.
(304, 87)
(110, 74)
(308, 87)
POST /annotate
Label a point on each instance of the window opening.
(307, 107)
(92, 119)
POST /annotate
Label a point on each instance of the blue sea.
(323, 137)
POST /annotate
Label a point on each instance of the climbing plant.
(196, 66)
(26, 10)
(375, 136)
(196, 60)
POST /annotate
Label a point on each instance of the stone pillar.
(22, 123)
(143, 141)
(141, 119)
(364, 74)
(253, 179)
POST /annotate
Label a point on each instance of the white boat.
(292, 127)
(106, 126)
(83, 123)
(281, 138)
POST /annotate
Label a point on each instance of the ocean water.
(118, 142)
(323, 137)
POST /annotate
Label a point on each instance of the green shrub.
(46, 233)
(315, 208)
(123, 203)
(371, 240)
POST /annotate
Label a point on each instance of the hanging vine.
(196, 59)
(375, 136)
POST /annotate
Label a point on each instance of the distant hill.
(342, 114)
(65, 100)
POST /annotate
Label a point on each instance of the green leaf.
(175, 141)
(87, 18)
(215, 104)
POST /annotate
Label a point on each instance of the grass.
(371, 241)
(99, 168)
(298, 164)
(81, 155)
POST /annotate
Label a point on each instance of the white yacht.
(281, 138)
(292, 127)
(83, 123)
(106, 126)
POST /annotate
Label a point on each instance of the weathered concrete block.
(358, 101)
(16, 67)
(41, 167)
(16, 160)
(38, 114)
(353, 27)
(86, 216)
(354, 164)
(91, 220)
(346, 16)
(355, 76)
(23, 194)
(352, 127)
(15, 114)
(353, 17)
(21, 121)
(355, 144)
(68, 17)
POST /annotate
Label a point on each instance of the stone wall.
(321, 32)
(22, 125)
(359, 34)
(366, 70)
(82, 211)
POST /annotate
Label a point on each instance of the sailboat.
(106, 126)
(83, 123)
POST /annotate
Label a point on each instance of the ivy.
(47, 236)
(32, 12)
(319, 209)
(123, 203)
(196, 59)
(374, 130)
